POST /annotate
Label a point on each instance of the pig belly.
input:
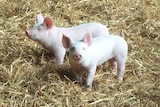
(102, 55)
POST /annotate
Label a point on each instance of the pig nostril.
(78, 56)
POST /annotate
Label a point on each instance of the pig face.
(78, 49)
(40, 30)
(37, 32)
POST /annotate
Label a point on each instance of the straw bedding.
(29, 78)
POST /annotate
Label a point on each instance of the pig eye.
(39, 28)
(84, 48)
(72, 48)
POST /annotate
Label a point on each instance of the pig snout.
(77, 56)
(27, 33)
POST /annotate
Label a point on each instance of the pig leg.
(91, 73)
(113, 63)
(51, 55)
(121, 68)
(76, 70)
(78, 76)
(59, 56)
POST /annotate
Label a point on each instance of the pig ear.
(87, 39)
(65, 41)
(48, 22)
(40, 18)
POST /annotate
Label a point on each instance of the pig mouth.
(77, 60)
(28, 36)
(27, 32)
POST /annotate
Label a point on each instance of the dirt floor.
(29, 78)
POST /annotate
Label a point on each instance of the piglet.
(50, 36)
(86, 54)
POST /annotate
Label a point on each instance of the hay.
(28, 78)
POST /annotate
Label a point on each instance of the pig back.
(78, 32)
(103, 48)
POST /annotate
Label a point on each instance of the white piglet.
(86, 54)
(50, 36)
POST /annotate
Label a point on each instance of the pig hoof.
(88, 88)
(77, 82)
(120, 78)
(120, 81)
(59, 63)
(114, 73)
